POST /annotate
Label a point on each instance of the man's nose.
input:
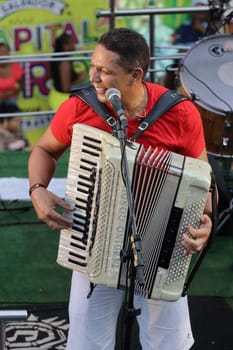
(95, 75)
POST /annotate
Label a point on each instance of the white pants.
(163, 325)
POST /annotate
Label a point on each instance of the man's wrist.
(34, 187)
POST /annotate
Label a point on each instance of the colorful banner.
(30, 27)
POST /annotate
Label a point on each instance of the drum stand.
(225, 215)
(126, 331)
(222, 175)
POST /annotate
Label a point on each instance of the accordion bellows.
(169, 192)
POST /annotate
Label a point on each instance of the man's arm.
(41, 168)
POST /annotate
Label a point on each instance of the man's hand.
(45, 203)
(199, 237)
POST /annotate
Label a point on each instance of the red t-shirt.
(179, 130)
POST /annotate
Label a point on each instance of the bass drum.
(206, 75)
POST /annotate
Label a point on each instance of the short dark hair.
(130, 45)
(62, 40)
(4, 44)
(6, 108)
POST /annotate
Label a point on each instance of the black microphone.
(113, 96)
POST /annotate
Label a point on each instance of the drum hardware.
(172, 76)
(226, 137)
(222, 169)
(193, 96)
(225, 141)
(223, 12)
(227, 126)
(228, 16)
(225, 216)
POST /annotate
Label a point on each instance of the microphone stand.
(132, 255)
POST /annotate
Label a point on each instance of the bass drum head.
(206, 73)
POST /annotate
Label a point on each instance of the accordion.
(169, 192)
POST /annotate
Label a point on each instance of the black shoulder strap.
(165, 102)
(87, 93)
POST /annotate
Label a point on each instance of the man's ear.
(137, 75)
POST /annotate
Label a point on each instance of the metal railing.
(217, 7)
(43, 117)
(84, 55)
(71, 56)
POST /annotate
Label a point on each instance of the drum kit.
(206, 75)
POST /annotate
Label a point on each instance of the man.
(120, 60)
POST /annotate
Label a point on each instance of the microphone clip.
(113, 96)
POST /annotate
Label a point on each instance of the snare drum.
(206, 74)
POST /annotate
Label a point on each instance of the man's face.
(105, 72)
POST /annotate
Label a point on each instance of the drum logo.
(216, 50)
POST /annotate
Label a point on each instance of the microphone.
(113, 96)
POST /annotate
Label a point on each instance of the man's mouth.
(100, 91)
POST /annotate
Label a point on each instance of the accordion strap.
(87, 94)
(169, 99)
